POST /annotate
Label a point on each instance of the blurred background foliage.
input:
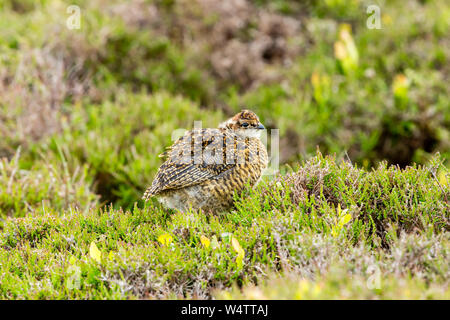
(92, 107)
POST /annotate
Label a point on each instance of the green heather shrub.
(196, 50)
(47, 69)
(153, 62)
(44, 186)
(382, 203)
(153, 253)
(361, 113)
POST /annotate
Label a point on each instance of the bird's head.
(245, 123)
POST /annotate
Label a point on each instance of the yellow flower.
(241, 253)
(400, 81)
(443, 178)
(237, 247)
(111, 255)
(345, 49)
(339, 50)
(94, 252)
(165, 239)
(205, 241)
(400, 88)
(322, 87)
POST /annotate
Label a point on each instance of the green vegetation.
(326, 220)
(85, 112)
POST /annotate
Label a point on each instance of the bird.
(206, 166)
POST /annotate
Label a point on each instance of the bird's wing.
(191, 160)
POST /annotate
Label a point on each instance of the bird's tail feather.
(148, 193)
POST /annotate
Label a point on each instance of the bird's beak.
(260, 126)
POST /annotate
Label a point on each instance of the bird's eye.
(245, 124)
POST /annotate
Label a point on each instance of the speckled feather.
(206, 166)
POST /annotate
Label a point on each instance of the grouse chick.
(205, 167)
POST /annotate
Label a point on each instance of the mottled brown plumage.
(206, 166)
